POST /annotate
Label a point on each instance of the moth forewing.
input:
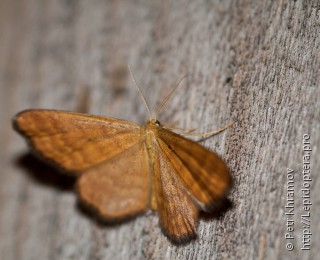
(75, 141)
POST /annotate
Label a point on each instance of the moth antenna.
(139, 89)
(168, 96)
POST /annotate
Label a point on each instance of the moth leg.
(211, 133)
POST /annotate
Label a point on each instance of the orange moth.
(124, 169)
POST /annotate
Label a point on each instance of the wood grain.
(256, 64)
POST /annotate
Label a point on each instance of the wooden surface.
(255, 64)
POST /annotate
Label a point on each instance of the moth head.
(153, 122)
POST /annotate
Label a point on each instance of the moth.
(124, 169)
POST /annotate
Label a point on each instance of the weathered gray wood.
(256, 64)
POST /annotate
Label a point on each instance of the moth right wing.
(75, 141)
(187, 176)
(203, 173)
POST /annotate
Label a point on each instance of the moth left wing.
(75, 141)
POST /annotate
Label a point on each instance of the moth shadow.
(45, 174)
(218, 210)
(93, 215)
